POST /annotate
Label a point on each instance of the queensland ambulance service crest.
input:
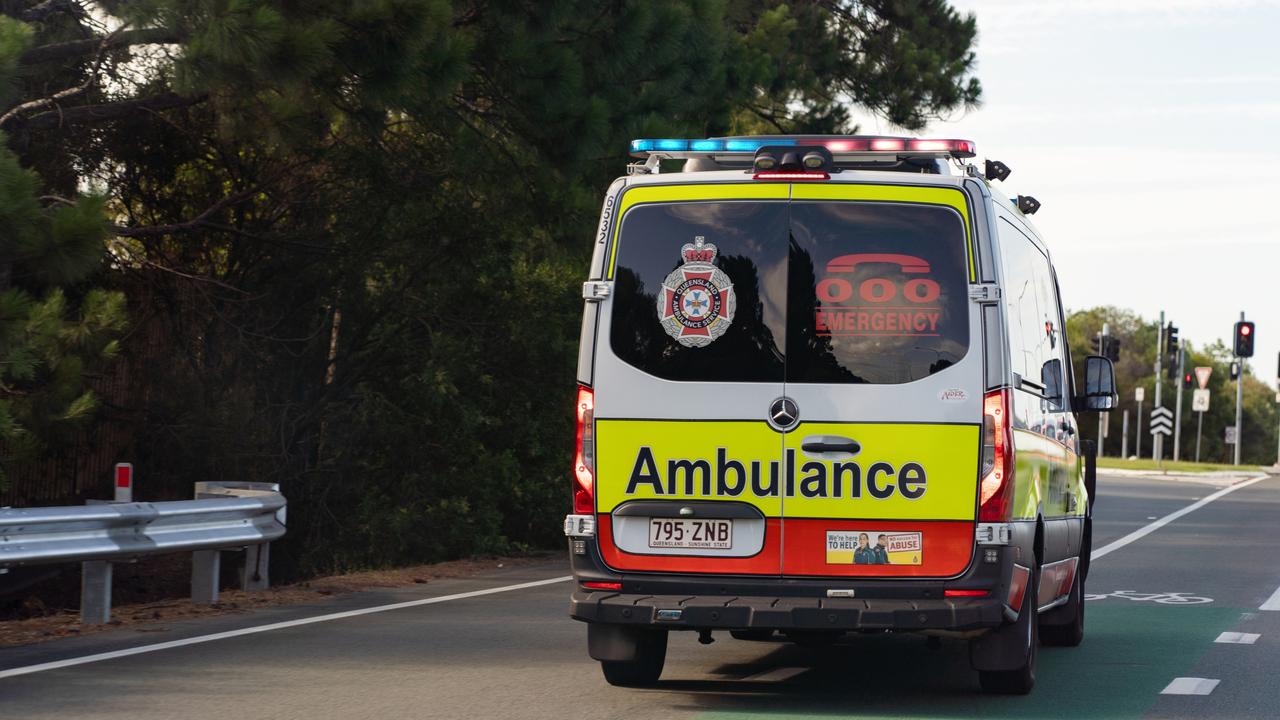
(696, 304)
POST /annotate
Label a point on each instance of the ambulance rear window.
(700, 291)
(877, 292)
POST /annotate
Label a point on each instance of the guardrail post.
(254, 575)
(206, 566)
(95, 592)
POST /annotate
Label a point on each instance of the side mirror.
(1099, 385)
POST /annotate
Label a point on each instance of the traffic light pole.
(1177, 413)
(1239, 406)
(1102, 350)
(1157, 451)
(1199, 430)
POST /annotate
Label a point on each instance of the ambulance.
(824, 389)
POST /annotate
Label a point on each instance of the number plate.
(692, 534)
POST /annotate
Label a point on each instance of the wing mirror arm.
(1099, 386)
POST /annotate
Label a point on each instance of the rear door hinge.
(596, 290)
(987, 292)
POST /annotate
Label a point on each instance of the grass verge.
(1181, 466)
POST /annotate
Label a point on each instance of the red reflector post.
(124, 482)
(594, 585)
(965, 593)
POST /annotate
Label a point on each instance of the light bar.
(676, 147)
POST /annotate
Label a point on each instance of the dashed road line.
(1236, 638)
(1146, 530)
(1190, 686)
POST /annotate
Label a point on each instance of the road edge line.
(1149, 528)
(201, 639)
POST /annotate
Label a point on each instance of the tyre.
(645, 668)
(1053, 631)
(1025, 633)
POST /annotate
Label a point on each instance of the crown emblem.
(698, 251)
(696, 303)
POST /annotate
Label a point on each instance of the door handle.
(830, 444)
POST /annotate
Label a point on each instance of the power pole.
(1102, 350)
(1177, 413)
(1157, 447)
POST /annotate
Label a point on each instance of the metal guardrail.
(225, 516)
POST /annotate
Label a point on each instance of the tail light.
(995, 492)
(584, 468)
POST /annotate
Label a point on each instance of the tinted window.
(1031, 307)
(877, 293)
(750, 241)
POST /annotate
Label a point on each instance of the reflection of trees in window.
(810, 356)
(747, 352)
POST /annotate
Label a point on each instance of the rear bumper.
(786, 613)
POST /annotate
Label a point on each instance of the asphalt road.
(515, 653)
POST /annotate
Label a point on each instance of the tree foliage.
(350, 231)
(1135, 369)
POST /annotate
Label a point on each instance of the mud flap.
(613, 643)
(1006, 647)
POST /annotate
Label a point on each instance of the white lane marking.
(72, 662)
(1149, 528)
(777, 674)
(1235, 638)
(1190, 686)
(1273, 602)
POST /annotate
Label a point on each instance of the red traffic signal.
(1187, 380)
(1244, 339)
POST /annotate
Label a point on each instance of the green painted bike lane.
(1132, 650)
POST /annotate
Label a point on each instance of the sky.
(1150, 132)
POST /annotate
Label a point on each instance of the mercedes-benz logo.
(784, 413)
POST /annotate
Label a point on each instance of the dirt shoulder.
(138, 615)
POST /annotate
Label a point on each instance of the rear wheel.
(645, 668)
(1024, 635)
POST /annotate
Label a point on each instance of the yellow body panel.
(904, 472)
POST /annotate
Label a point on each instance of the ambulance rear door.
(689, 358)
(884, 369)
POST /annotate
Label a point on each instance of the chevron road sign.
(1161, 421)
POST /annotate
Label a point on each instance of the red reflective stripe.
(964, 593)
(124, 475)
(947, 548)
(594, 585)
(1018, 586)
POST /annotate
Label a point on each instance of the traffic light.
(1235, 370)
(1187, 379)
(1111, 349)
(1244, 339)
(1171, 340)
(1095, 344)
